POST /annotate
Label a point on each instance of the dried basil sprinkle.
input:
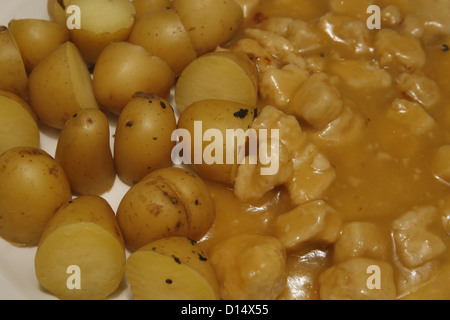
(241, 113)
(129, 124)
(444, 47)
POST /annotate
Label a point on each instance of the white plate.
(17, 277)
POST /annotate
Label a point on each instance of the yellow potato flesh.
(217, 76)
(173, 268)
(17, 126)
(163, 278)
(105, 16)
(102, 22)
(99, 256)
(81, 80)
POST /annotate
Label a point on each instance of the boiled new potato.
(123, 69)
(210, 23)
(218, 75)
(102, 22)
(161, 33)
(84, 152)
(18, 126)
(57, 10)
(172, 268)
(167, 202)
(81, 255)
(37, 38)
(13, 75)
(32, 188)
(222, 119)
(143, 137)
(145, 6)
(61, 85)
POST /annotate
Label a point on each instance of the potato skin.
(53, 95)
(123, 69)
(18, 126)
(83, 233)
(161, 33)
(37, 38)
(210, 23)
(143, 137)
(220, 115)
(13, 75)
(144, 6)
(167, 202)
(56, 11)
(33, 186)
(84, 152)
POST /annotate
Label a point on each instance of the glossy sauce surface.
(394, 165)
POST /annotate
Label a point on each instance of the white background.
(17, 276)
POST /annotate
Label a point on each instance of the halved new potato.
(81, 255)
(61, 85)
(123, 69)
(13, 75)
(214, 137)
(172, 268)
(210, 23)
(161, 33)
(37, 38)
(220, 75)
(102, 22)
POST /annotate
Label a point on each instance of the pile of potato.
(123, 61)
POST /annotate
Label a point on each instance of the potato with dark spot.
(167, 202)
(172, 268)
(33, 186)
(143, 137)
(84, 152)
(228, 123)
